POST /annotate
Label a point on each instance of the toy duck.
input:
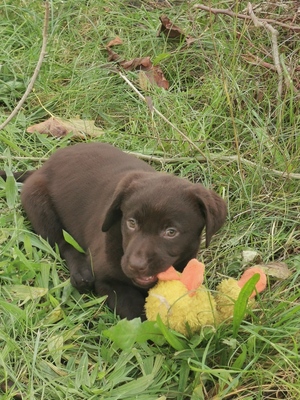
(229, 289)
(185, 305)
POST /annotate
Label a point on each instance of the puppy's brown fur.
(132, 221)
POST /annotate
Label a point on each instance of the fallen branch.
(255, 60)
(177, 160)
(274, 33)
(36, 71)
(232, 14)
(216, 157)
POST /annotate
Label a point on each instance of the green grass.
(56, 344)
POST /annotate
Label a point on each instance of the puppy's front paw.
(79, 265)
(83, 280)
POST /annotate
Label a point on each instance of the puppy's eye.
(170, 233)
(131, 224)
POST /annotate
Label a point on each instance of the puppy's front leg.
(79, 265)
(126, 300)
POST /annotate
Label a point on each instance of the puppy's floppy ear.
(123, 189)
(213, 207)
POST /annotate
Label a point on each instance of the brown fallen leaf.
(190, 40)
(116, 41)
(143, 63)
(112, 55)
(52, 126)
(155, 75)
(152, 72)
(169, 29)
(58, 127)
(173, 31)
(276, 269)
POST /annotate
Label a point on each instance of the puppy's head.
(162, 218)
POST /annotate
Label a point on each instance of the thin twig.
(255, 60)
(274, 33)
(177, 160)
(153, 109)
(216, 157)
(232, 14)
(36, 71)
(20, 158)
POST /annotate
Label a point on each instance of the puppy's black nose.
(138, 264)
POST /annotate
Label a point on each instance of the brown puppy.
(132, 221)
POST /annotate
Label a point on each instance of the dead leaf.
(153, 73)
(143, 63)
(190, 40)
(144, 81)
(51, 126)
(173, 31)
(59, 127)
(83, 127)
(276, 269)
(249, 256)
(116, 41)
(112, 55)
(169, 29)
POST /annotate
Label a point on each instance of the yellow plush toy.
(229, 289)
(185, 305)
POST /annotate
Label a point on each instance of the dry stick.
(262, 23)
(216, 157)
(162, 116)
(255, 60)
(161, 160)
(36, 71)
(21, 158)
(243, 16)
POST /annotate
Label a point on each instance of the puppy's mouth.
(145, 281)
